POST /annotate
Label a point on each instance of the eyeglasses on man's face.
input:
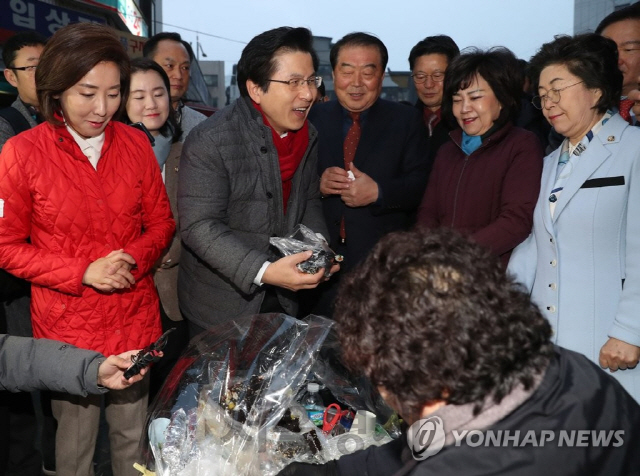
(297, 84)
(552, 95)
(28, 69)
(420, 78)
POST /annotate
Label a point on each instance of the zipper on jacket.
(464, 166)
(455, 199)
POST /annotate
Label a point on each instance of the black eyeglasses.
(296, 84)
(28, 69)
(552, 95)
(420, 78)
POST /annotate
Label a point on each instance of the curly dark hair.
(590, 57)
(431, 316)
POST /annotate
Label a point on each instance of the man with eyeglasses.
(428, 61)
(247, 174)
(372, 157)
(20, 55)
(175, 55)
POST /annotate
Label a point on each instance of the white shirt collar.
(91, 147)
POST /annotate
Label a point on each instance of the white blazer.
(582, 266)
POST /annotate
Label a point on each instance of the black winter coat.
(574, 395)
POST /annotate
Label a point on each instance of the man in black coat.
(428, 61)
(378, 189)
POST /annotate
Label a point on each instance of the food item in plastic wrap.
(311, 437)
(304, 239)
(289, 421)
(240, 398)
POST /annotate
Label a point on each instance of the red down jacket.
(73, 215)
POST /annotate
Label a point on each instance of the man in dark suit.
(623, 27)
(428, 61)
(372, 156)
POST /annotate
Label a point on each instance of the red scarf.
(291, 149)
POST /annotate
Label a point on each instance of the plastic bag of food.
(304, 239)
(231, 405)
(232, 385)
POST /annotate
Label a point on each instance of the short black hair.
(430, 315)
(631, 12)
(434, 45)
(359, 39)
(150, 47)
(590, 57)
(498, 66)
(258, 61)
(19, 41)
(142, 65)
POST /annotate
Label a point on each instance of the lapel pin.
(611, 138)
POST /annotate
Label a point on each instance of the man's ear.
(10, 76)
(255, 91)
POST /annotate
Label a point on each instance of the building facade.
(213, 73)
(588, 13)
(133, 20)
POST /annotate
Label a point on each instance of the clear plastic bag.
(230, 406)
(304, 239)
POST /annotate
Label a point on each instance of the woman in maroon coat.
(485, 182)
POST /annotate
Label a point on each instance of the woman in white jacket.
(581, 262)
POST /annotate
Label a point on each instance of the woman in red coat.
(83, 217)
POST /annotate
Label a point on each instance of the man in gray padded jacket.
(249, 173)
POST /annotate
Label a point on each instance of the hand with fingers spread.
(285, 274)
(111, 272)
(618, 355)
(362, 190)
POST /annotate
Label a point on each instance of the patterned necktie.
(625, 109)
(349, 150)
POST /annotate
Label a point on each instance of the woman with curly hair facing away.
(450, 341)
(85, 218)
